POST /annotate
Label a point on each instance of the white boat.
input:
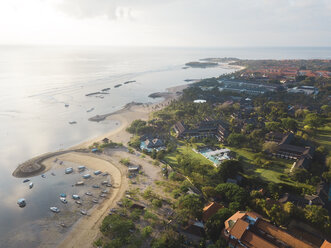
(88, 193)
(80, 183)
(63, 200)
(83, 212)
(21, 202)
(54, 209)
(68, 170)
(75, 197)
(30, 185)
(95, 201)
(86, 176)
(79, 202)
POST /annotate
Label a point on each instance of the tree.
(190, 206)
(231, 192)
(215, 224)
(236, 139)
(301, 175)
(317, 216)
(289, 124)
(168, 239)
(313, 120)
(115, 226)
(228, 169)
(270, 147)
(273, 126)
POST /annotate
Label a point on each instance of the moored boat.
(54, 209)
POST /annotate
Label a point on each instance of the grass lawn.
(278, 168)
(185, 150)
(323, 137)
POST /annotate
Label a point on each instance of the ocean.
(44, 88)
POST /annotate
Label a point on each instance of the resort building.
(308, 90)
(150, 144)
(205, 129)
(302, 154)
(249, 229)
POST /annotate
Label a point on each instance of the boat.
(83, 212)
(80, 183)
(105, 89)
(105, 191)
(53, 174)
(104, 182)
(31, 185)
(72, 122)
(86, 176)
(105, 174)
(131, 81)
(103, 195)
(97, 172)
(117, 85)
(43, 176)
(79, 202)
(63, 200)
(95, 201)
(21, 203)
(81, 168)
(90, 110)
(68, 170)
(95, 186)
(88, 193)
(63, 195)
(26, 180)
(66, 105)
(109, 185)
(54, 209)
(75, 197)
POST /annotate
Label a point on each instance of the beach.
(84, 231)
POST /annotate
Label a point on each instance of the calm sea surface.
(37, 82)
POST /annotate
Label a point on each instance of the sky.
(191, 23)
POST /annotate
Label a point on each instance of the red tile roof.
(281, 235)
(230, 222)
(254, 241)
(239, 228)
(326, 244)
(210, 210)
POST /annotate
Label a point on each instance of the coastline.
(86, 229)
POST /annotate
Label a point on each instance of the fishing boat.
(75, 197)
(80, 183)
(81, 168)
(72, 122)
(31, 185)
(88, 193)
(26, 180)
(63, 200)
(117, 85)
(21, 203)
(95, 186)
(68, 170)
(83, 212)
(53, 174)
(78, 202)
(95, 201)
(105, 89)
(66, 105)
(90, 110)
(63, 195)
(86, 176)
(54, 209)
(97, 172)
(43, 176)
